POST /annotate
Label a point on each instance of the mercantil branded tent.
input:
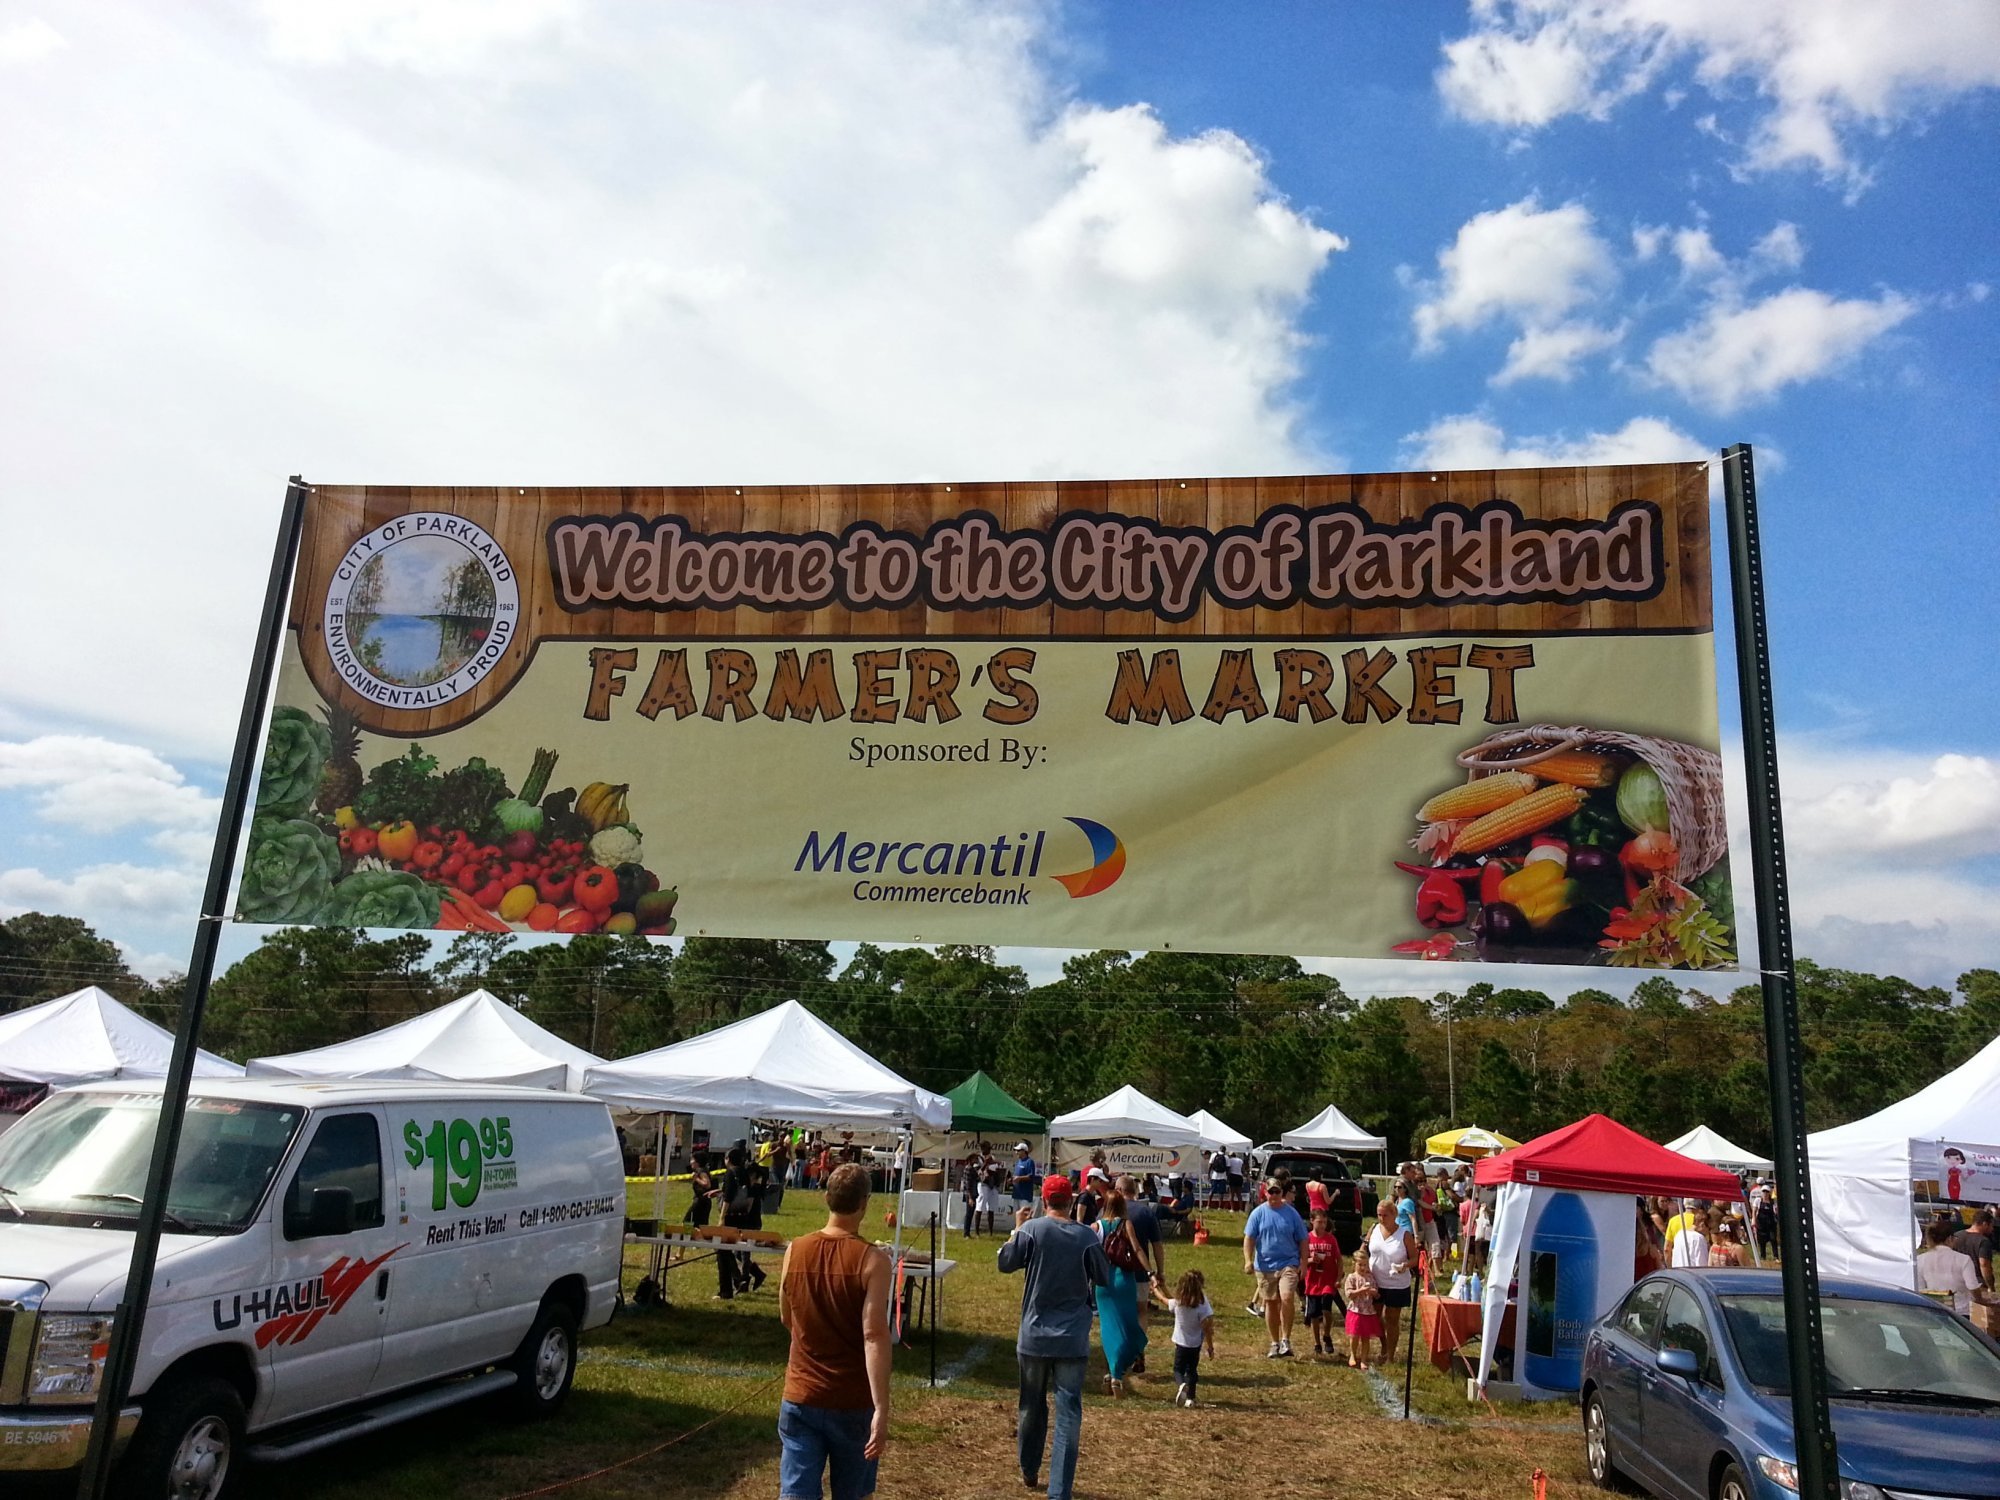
(1704, 1145)
(1216, 1135)
(1129, 1114)
(1864, 1206)
(477, 1038)
(1330, 1130)
(780, 1064)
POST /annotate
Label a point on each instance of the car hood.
(84, 1269)
(1932, 1450)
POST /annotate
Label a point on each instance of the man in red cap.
(1064, 1264)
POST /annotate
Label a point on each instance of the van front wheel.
(545, 1364)
(188, 1443)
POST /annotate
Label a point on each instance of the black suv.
(1350, 1201)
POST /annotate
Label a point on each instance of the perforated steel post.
(1812, 1423)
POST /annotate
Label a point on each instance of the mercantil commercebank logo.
(420, 609)
(950, 872)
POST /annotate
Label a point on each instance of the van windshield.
(81, 1159)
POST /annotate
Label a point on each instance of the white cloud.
(101, 785)
(1876, 804)
(1823, 71)
(1738, 354)
(1697, 253)
(1782, 248)
(1554, 353)
(29, 41)
(1522, 264)
(686, 244)
(102, 891)
(1471, 441)
(425, 36)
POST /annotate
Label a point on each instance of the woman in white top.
(1392, 1255)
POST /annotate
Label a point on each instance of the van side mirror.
(1679, 1362)
(332, 1212)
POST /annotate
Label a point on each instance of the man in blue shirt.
(1274, 1237)
(1025, 1174)
(1064, 1264)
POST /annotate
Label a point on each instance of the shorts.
(816, 1438)
(1318, 1305)
(1393, 1296)
(989, 1199)
(1278, 1285)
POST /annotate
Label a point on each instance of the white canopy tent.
(1217, 1135)
(477, 1038)
(1330, 1130)
(82, 1036)
(1129, 1114)
(780, 1064)
(89, 1034)
(1864, 1209)
(1711, 1149)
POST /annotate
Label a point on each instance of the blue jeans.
(1037, 1375)
(812, 1438)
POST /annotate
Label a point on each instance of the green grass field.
(1311, 1426)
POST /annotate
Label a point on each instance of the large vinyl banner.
(1465, 715)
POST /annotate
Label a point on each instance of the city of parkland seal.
(420, 609)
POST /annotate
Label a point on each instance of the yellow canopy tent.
(1469, 1143)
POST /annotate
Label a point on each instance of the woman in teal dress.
(1118, 1303)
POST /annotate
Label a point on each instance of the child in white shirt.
(1194, 1330)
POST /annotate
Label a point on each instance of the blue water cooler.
(1559, 1293)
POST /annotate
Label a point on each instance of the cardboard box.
(927, 1180)
(1986, 1317)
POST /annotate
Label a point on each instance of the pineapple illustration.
(341, 781)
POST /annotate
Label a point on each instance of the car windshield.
(84, 1156)
(1873, 1347)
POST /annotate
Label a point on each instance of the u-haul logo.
(288, 1312)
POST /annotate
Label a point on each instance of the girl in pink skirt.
(1364, 1314)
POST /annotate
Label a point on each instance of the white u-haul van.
(337, 1257)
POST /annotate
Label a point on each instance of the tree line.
(1258, 1040)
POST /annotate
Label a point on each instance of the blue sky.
(549, 241)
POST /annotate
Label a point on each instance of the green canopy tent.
(981, 1106)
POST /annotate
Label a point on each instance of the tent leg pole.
(1812, 1421)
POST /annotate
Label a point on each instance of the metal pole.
(1812, 1423)
(129, 1320)
(931, 1301)
(1416, 1311)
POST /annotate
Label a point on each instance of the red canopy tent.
(1598, 1155)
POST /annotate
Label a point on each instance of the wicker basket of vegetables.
(1689, 777)
(1567, 844)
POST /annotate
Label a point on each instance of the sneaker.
(1255, 1309)
(1190, 1402)
(1272, 1353)
(1284, 1348)
(1181, 1395)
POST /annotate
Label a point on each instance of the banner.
(1957, 1171)
(1445, 716)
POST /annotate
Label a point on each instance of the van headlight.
(70, 1349)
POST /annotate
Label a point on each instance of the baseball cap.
(1020, 1145)
(1055, 1185)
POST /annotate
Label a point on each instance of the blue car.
(1685, 1391)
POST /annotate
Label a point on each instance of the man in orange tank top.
(833, 1295)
